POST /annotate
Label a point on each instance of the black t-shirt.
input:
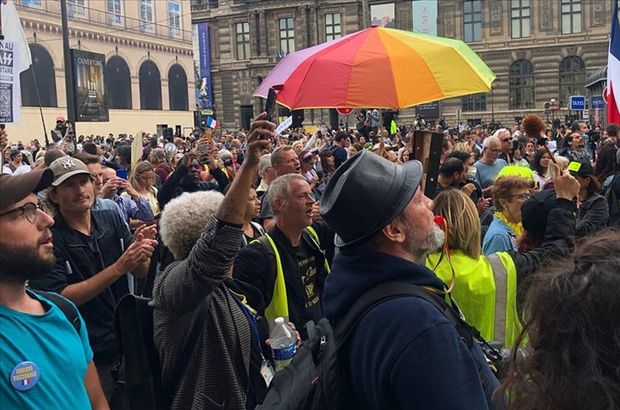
(304, 276)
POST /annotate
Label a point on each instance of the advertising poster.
(202, 66)
(382, 15)
(425, 17)
(9, 81)
(90, 101)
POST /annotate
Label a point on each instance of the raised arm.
(211, 258)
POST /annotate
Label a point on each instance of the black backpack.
(314, 379)
(67, 308)
(138, 370)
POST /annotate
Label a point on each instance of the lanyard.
(253, 325)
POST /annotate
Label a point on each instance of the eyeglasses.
(30, 211)
(506, 139)
(523, 197)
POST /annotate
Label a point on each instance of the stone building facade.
(541, 50)
(149, 65)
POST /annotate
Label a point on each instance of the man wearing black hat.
(46, 361)
(403, 353)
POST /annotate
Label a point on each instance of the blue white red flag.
(613, 71)
(211, 123)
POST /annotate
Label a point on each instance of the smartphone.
(2, 126)
(202, 149)
(208, 134)
(121, 173)
(270, 104)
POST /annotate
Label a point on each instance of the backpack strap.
(67, 308)
(393, 290)
(501, 294)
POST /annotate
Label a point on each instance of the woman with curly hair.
(572, 324)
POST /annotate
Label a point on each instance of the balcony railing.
(116, 22)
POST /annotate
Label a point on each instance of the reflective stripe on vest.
(279, 302)
(501, 296)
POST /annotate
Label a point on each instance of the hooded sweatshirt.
(403, 354)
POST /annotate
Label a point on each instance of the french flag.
(211, 123)
(613, 71)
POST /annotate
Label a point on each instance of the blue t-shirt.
(485, 173)
(60, 355)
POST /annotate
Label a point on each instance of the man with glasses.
(490, 164)
(95, 253)
(46, 360)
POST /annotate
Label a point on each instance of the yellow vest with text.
(278, 306)
(493, 313)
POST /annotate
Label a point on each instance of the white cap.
(279, 320)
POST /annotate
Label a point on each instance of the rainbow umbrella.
(379, 68)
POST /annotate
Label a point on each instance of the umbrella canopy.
(379, 68)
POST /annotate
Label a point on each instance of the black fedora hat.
(366, 193)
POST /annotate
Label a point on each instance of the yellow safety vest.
(485, 291)
(278, 307)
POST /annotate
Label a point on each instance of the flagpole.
(1, 35)
(36, 87)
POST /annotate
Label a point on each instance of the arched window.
(117, 83)
(150, 86)
(43, 67)
(521, 85)
(572, 78)
(177, 88)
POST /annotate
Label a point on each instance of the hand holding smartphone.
(270, 104)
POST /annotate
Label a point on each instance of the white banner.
(284, 125)
(14, 59)
(425, 17)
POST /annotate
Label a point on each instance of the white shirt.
(22, 169)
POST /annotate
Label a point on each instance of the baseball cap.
(60, 118)
(582, 169)
(15, 188)
(66, 167)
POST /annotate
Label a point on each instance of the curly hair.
(533, 126)
(503, 186)
(572, 323)
(184, 218)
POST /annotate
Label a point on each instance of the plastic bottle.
(283, 344)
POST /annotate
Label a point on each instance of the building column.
(263, 33)
(254, 19)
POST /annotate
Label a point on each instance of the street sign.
(344, 111)
(577, 103)
(597, 101)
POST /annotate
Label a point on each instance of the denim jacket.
(498, 238)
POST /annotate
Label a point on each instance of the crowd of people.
(228, 230)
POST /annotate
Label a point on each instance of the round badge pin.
(25, 376)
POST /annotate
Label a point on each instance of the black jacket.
(79, 258)
(403, 354)
(173, 186)
(592, 215)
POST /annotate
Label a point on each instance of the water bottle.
(283, 344)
